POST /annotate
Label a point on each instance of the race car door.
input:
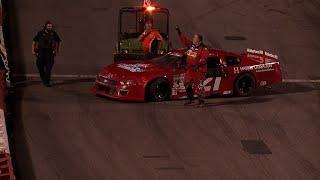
(214, 76)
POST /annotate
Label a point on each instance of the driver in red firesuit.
(197, 55)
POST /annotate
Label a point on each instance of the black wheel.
(159, 90)
(244, 85)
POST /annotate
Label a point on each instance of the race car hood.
(131, 70)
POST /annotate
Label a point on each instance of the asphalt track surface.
(64, 132)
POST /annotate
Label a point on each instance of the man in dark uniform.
(45, 47)
(197, 56)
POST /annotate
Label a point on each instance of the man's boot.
(201, 102)
(189, 95)
(201, 94)
(188, 102)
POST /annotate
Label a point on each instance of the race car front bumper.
(119, 92)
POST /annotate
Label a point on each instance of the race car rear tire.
(244, 85)
(159, 90)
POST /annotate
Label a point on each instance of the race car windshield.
(170, 60)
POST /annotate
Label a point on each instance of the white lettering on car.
(236, 70)
(207, 81)
(205, 85)
(261, 52)
(175, 54)
(108, 76)
(178, 84)
(254, 51)
(258, 68)
(133, 67)
(263, 83)
(226, 92)
(217, 84)
(270, 55)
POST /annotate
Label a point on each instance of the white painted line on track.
(301, 80)
(94, 76)
(57, 75)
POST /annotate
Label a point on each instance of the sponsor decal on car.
(271, 55)
(261, 52)
(254, 51)
(134, 67)
(260, 58)
(108, 76)
(258, 68)
(263, 83)
(205, 84)
(217, 83)
(226, 92)
(178, 84)
(236, 70)
(175, 54)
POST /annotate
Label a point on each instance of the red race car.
(162, 78)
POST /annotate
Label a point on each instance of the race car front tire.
(244, 85)
(158, 90)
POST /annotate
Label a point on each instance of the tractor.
(131, 25)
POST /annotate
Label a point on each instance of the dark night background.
(65, 132)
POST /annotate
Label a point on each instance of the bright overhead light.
(150, 8)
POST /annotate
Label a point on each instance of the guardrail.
(6, 168)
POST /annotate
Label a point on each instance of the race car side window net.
(214, 67)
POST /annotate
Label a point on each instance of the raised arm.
(143, 35)
(187, 42)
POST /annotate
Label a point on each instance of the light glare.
(150, 8)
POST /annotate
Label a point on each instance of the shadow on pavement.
(262, 95)
(238, 101)
(287, 88)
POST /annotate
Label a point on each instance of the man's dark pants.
(45, 61)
